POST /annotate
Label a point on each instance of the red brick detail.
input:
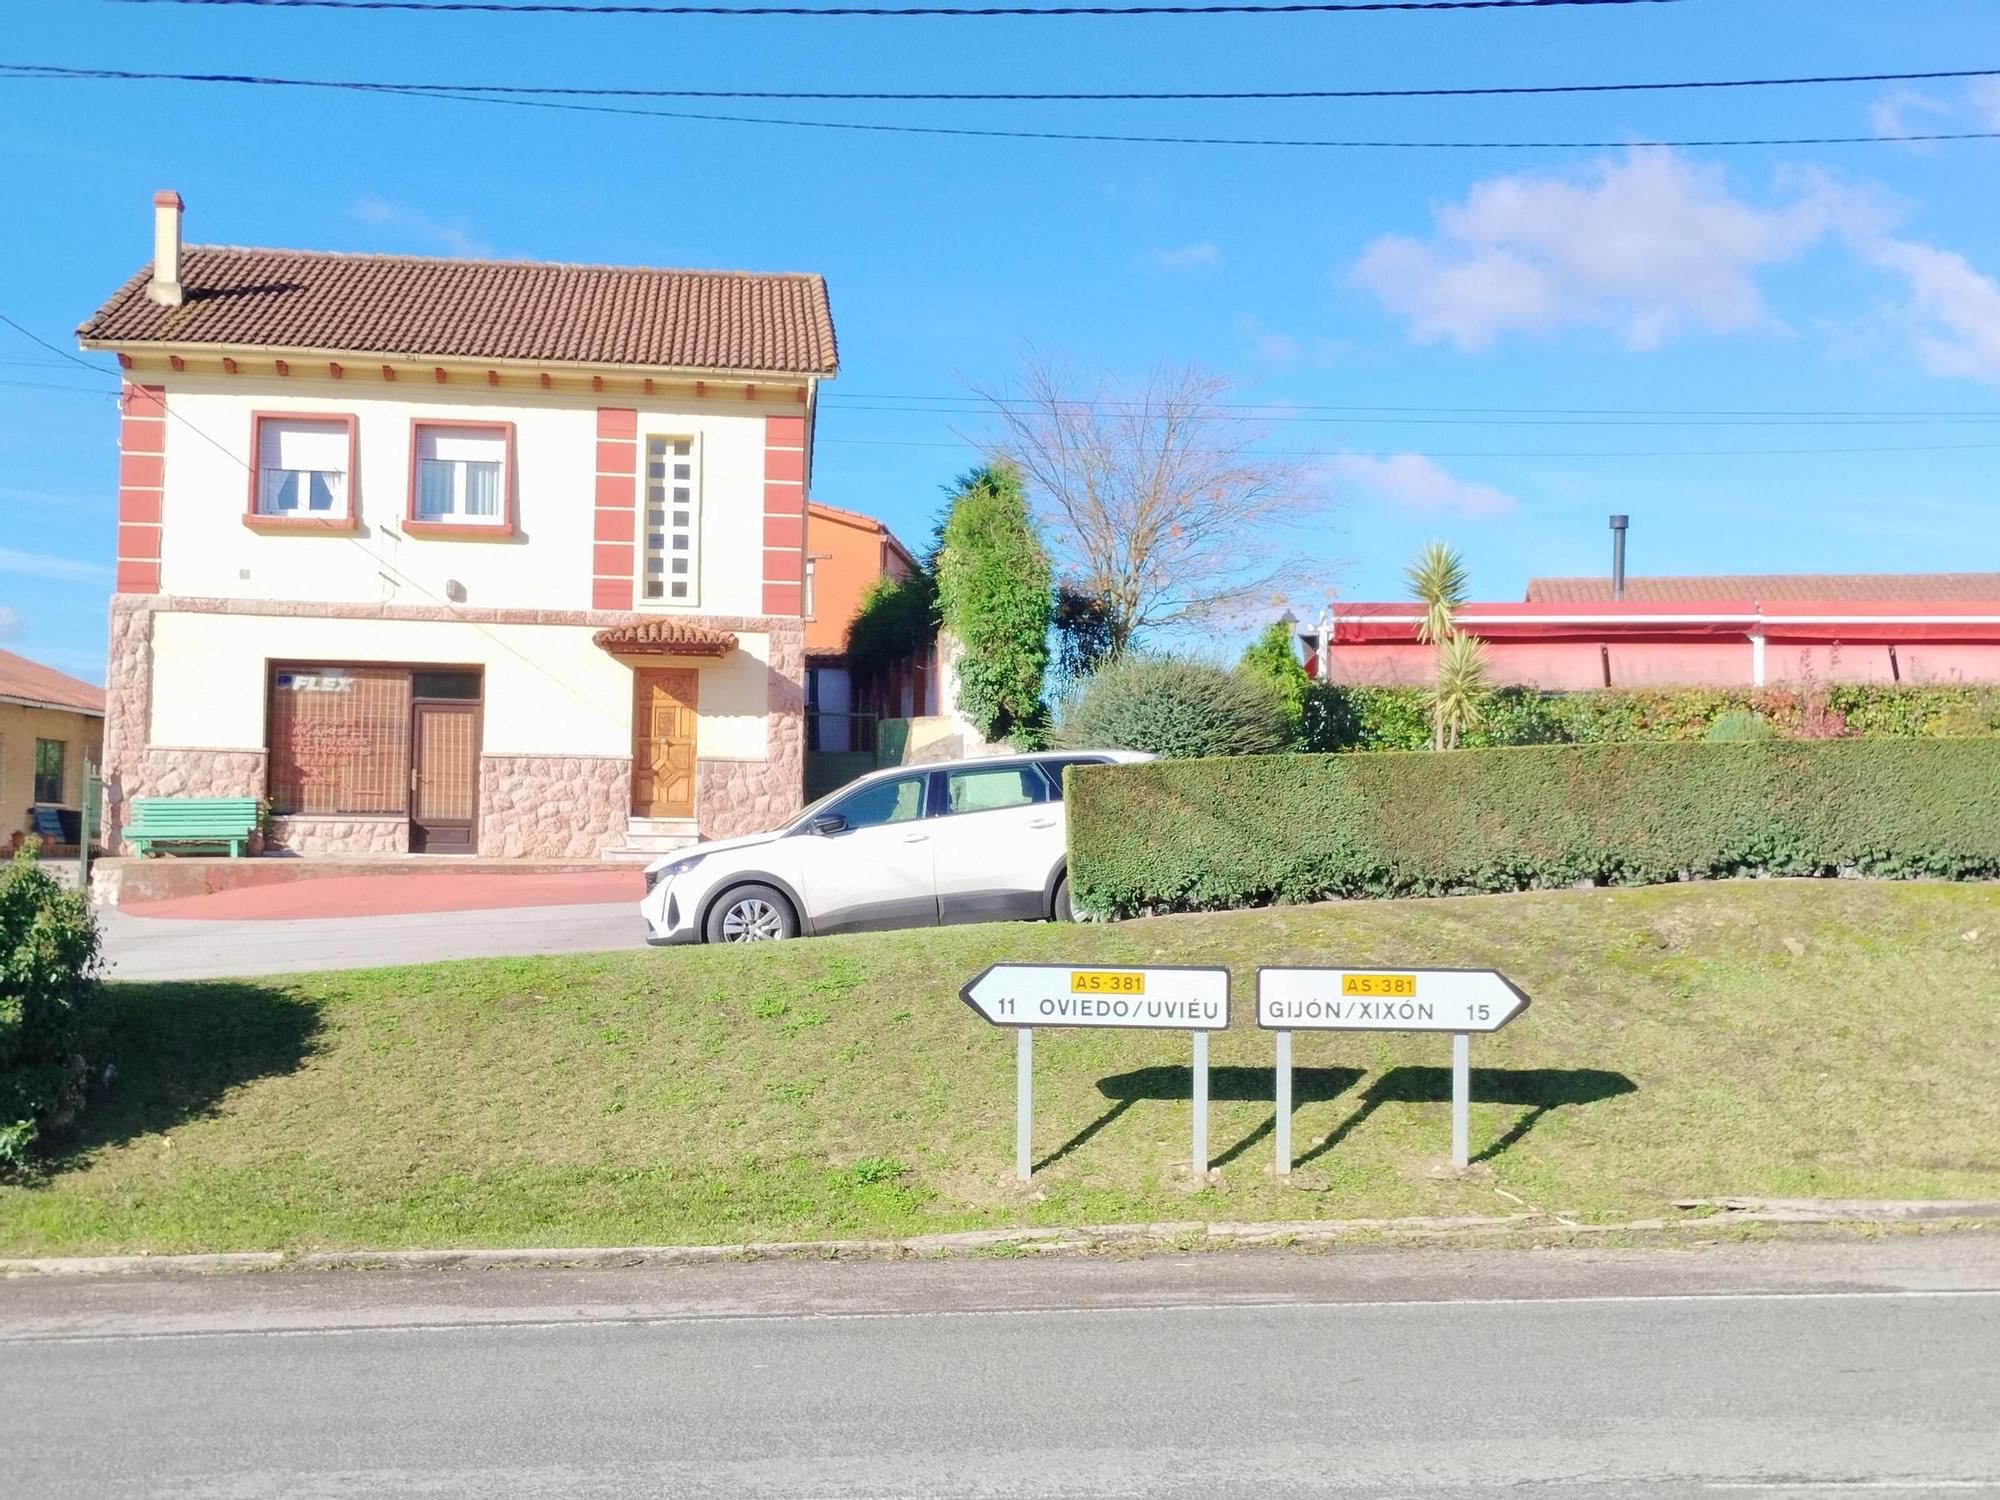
(784, 531)
(611, 593)
(146, 471)
(784, 498)
(138, 543)
(138, 434)
(783, 598)
(613, 560)
(785, 463)
(617, 457)
(144, 401)
(142, 441)
(614, 490)
(783, 563)
(784, 432)
(616, 525)
(144, 578)
(618, 421)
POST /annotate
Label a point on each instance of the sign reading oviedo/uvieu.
(1169, 999)
(1148, 996)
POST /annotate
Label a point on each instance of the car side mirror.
(829, 823)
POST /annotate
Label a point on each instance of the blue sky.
(1840, 278)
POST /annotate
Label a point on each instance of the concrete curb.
(1188, 1234)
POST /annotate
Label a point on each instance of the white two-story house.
(445, 555)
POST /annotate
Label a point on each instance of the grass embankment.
(1778, 1038)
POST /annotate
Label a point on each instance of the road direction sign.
(1456, 1000)
(1460, 1001)
(1166, 999)
(1150, 996)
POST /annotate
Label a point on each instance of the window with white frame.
(462, 474)
(302, 467)
(671, 556)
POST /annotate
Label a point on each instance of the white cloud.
(1645, 247)
(42, 565)
(1890, 115)
(10, 624)
(1421, 486)
(453, 239)
(1203, 255)
(1273, 346)
(1952, 317)
(1984, 96)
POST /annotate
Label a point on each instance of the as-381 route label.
(1455, 1000)
(1168, 999)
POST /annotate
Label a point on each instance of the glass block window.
(670, 530)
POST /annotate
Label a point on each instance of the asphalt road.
(178, 948)
(1824, 1369)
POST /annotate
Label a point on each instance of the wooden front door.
(663, 742)
(444, 777)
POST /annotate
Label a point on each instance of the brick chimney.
(165, 287)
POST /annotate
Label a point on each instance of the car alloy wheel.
(752, 920)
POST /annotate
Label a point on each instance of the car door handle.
(1041, 822)
(916, 838)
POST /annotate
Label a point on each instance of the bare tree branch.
(1156, 498)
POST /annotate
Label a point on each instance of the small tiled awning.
(665, 637)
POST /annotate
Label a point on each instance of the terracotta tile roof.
(431, 307)
(1770, 588)
(665, 637)
(24, 681)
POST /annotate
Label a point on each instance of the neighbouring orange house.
(846, 554)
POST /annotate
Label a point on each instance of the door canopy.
(665, 637)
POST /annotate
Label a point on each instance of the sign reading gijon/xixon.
(1456, 1000)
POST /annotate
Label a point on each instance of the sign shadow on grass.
(161, 1055)
(1168, 1084)
(1536, 1090)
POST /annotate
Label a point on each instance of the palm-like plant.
(1437, 581)
(1459, 696)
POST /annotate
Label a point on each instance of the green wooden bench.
(202, 822)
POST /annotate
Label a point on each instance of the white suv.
(912, 846)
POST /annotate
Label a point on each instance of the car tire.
(751, 914)
(1060, 909)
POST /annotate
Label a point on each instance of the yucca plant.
(1458, 699)
(1437, 581)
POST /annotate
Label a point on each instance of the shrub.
(1739, 727)
(1352, 716)
(1217, 833)
(1174, 706)
(1270, 658)
(48, 979)
(893, 621)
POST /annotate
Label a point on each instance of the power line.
(1113, 403)
(569, 8)
(1279, 416)
(1479, 91)
(1322, 453)
(1108, 137)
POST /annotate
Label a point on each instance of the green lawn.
(1755, 1037)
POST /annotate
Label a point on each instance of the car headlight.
(668, 871)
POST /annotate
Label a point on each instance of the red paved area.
(387, 895)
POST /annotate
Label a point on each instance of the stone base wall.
(319, 834)
(553, 806)
(735, 797)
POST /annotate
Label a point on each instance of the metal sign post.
(1459, 1001)
(1155, 998)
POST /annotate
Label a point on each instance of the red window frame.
(258, 521)
(471, 531)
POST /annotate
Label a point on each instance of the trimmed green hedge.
(1203, 834)
(1348, 716)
